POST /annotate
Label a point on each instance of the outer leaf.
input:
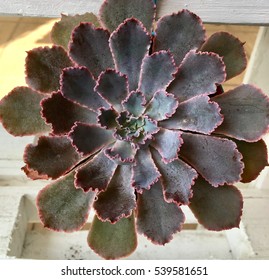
(216, 159)
(157, 219)
(135, 103)
(118, 200)
(128, 51)
(231, 49)
(167, 143)
(114, 12)
(113, 86)
(189, 35)
(177, 179)
(113, 241)
(61, 31)
(216, 208)
(246, 113)
(89, 47)
(77, 84)
(96, 173)
(254, 157)
(89, 139)
(62, 207)
(197, 114)
(63, 113)
(52, 156)
(162, 106)
(44, 67)
(20, 112)
(156, 73)
(145, 173)
(199, 73)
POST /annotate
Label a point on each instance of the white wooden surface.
(217, 11)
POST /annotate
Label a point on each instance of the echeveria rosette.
(138, 125)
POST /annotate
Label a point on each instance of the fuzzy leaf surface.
(118, 200)
(63, 113)
(230, 49)
(62, 30)
(246, 113)
(199, 73)
(216, 159)
(129, 51)
(52, 156)
(113, 241)
(156, 73)
(20, 112)
(216, 208)
(62, 207)
(44, 66)
(157, 219)
(89, 47)
(114, 12)
(134, 103)
(189, 35)
(197, 114)
(96, 173)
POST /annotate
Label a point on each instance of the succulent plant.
(132, 121)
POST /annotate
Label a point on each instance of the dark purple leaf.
(216, 159)
(113, 241)
(246, 113)
(33, 174)
(62, 207)
(44, 67)
(167, 143)
(63, 113)
(179, 33)
(199, 73)
(128, 51)
(89, 47)
(197, 114)
(107, 118)
(113, 86)
(114, 12)
(135, 103)
(145, 173)
(52, 156)
(230, 49)
(177, 178)
(20, 112)
(77, 84)
(62, 30)
(96, 173)
(89, 139)
(157, 219)
(216, 208)
(162, 106)
(156, 73)
(118, 200)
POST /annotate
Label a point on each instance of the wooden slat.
(211, 11)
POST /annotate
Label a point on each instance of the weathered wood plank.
(214, 11)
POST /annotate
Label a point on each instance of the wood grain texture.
(211, 11)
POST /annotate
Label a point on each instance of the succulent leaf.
(135, 103)
(129, 51)
(216, 159)
(62, 207)
(157, 219)
(20, 112)
(244, 107)
(52, 156)
(113, 241)
(189, 35)
(62, 30)
(199, 73)
(114, 12)
(44, 67)
(216, 208)
(107, 118)
(230, 49)
(89, 47)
